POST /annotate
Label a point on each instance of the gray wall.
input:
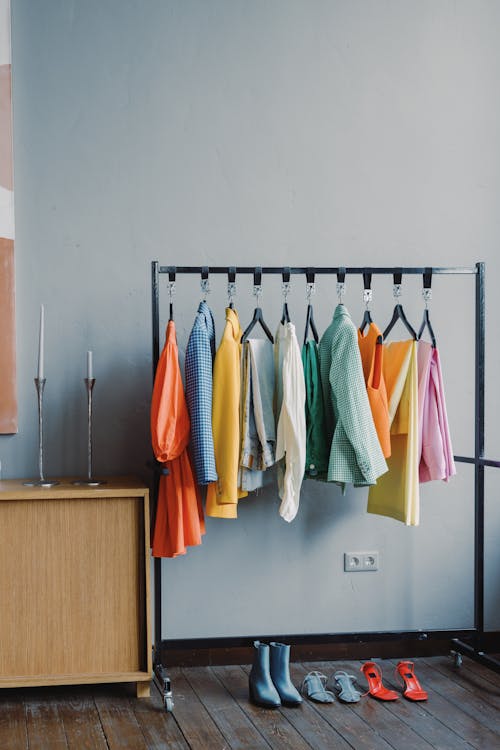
(340, 132)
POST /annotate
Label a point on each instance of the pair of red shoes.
(412, 689)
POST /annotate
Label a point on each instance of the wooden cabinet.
(74, 584)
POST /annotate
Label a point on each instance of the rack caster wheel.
(162, 682)
(457, 659)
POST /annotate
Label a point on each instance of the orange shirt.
(372, 354)
(179, 514)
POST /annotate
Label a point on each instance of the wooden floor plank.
(417, 716)
(469, 665)
(271, 723)
(484, 689)
(44, 725)
(212, 712)
(375, 713)
(468, 701)
(118, 720)
(81, 722)
(458, 718)
(195, 722)
(352, 727)
(310, 724)
(159, 727)
(231, 720)
(13, 730)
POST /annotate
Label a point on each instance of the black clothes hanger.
(285, 316)
(426, 291)
(231, 285)
(171, 290)
(257, 313)
(398, 312)
(310, 316)
(367, 296)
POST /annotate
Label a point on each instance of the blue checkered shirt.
(198, 365)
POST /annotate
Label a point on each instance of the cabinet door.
(72, 586)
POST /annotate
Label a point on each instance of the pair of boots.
(269, 683)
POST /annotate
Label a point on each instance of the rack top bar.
(325, 269)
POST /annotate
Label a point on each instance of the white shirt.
(291, 431)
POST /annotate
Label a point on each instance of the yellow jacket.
(223, 495)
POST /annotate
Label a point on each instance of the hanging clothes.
(355, 453)
(223, 495)
(179, 515)
(396, 494)
(435, 450)
(372, 358)
(198, 368)
(258, 431)
(316, 447)
(291, 429)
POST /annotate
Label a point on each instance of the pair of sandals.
(315, 686)
(405, 669)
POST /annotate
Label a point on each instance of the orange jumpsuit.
(372, 355)
(179, 513)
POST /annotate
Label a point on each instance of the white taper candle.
(90, 374)
(41, 335)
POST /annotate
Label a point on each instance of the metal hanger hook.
(340, 283)
(396, 287)
(205, 288)
(257, 292)
(310, 284)
(231, 284)
(171, 282)
(257, 283)
(426, 289)
(285, 282)
(367, 288)
(427, 295)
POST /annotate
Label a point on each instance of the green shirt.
(355, 453)
(316, 445)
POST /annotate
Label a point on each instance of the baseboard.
(322, 647)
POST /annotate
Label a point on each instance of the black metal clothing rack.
(476, 634)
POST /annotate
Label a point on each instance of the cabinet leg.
(143, 689)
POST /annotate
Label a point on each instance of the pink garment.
(435, 451)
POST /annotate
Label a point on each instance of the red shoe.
(374, 679)
(413, 690)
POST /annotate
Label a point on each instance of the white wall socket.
(356, 562)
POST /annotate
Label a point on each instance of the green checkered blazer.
(355, 453)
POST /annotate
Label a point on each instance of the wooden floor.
(212, 712)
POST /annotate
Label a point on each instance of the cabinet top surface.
(12, 489)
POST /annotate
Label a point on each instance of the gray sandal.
(313, 687)
(343, 684)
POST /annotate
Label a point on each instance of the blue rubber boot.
(280, 674)
(261, 689)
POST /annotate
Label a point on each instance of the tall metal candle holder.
(41, 481)
(90, 480)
